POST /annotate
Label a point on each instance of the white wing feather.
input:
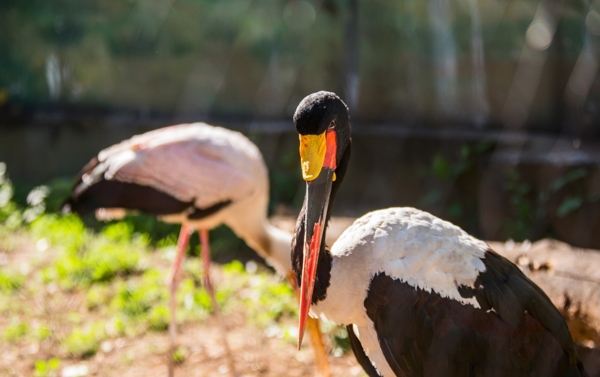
(192, 162)
(406, 244)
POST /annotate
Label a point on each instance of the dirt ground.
(255, 351)
(255, 354)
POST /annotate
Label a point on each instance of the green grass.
(15, 331)
(179, 355)
(10, 281)
(158, 318)
(136, 298)
(83, 342)
(46, 368)
(86, 258)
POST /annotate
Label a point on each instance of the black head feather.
(317, 111)
(320, 111)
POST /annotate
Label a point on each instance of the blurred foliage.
(83, 342)
(450, 176)
(15, 331)
(284, 179)
(10, 281)
(530, 207)
(10, 215)
(91, 259)
(528, 203)
(46, 368)
(259, 58)
(524, 210)
(114, 51)
(179, 355)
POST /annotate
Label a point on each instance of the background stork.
(200, 176)
(419, 296)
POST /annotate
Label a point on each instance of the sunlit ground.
(78, 302)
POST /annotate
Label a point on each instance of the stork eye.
(332, 124)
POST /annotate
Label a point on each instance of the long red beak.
(317, 202)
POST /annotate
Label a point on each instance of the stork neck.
(271, 243)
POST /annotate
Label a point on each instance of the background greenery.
(418, 62)
(78, 76)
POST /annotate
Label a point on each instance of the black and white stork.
(200, 176)
(419, 296)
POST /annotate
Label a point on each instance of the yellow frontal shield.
(312, 155)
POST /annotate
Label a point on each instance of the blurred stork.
(419, 296)
(200, 176)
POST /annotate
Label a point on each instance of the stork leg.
(206, 281)
(316, 338)
(173, 281)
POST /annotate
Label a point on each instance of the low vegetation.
(67, 289)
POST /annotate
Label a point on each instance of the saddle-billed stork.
(419, 296)
(200, 176)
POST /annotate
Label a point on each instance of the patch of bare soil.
(253, 352)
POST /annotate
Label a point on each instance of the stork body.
(197, 175)
(419, 296)
(193, 174)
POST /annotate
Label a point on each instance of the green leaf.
(179, 355)
(441, 167)
(432, 197)
(15, 331)
(568, 205)
(569, 177)
(84, 342)
(159, 317)
(11, 281)
(54, 363)
(41, 368)
(454, 210)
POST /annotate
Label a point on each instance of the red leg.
(205, 255)
(173, 282)
(203, 234)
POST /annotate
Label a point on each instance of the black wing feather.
(424, 334)
(97, 192)
(359, 352)
(505, 288)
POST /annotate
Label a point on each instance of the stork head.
(322, 121)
